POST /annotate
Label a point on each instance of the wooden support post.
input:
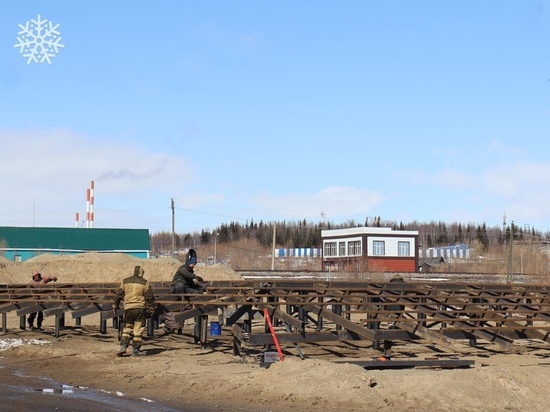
(237, 336)
(422, 315)
(103, 326)
(197, 329)
(267, 347)
(370, 323)
(247, 325)
(59, 324)
(529, 321)
(204, 330)
(337, 310)
(443, 324)
(319, 319)
(473, 316)
(375, 343)
(387, 348)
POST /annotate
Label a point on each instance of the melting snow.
(13, 342)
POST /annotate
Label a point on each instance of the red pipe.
(279, 351)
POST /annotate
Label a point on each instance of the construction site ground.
(178, 373)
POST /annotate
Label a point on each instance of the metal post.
(215, 247)
(510, 255)
(173, 230)
(204, 330)
(197, 329)
(273, 249)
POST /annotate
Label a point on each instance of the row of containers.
(308, 252)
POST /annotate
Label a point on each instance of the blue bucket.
(215, 329)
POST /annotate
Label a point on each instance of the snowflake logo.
(39, 40)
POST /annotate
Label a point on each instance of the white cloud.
(61, 158)
(519, 179)
(335, 201)
(55, 167)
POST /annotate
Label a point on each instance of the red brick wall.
(375, 265)
(391, 265)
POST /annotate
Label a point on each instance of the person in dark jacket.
(139, 303)
(185, 280)
(38, 279)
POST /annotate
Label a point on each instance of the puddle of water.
(21, 392)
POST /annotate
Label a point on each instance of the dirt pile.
(102, 267)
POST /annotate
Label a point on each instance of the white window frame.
(378, 248)
(403, 248)
(331, 249)
(341, 248)
(354, 248)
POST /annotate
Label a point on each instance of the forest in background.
(249, 246)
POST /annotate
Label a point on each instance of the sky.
(241, 111)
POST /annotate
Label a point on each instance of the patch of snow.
(14, 342)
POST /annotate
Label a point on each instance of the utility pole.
(510, 254)
(173, 229)
(216, 247)
(273, 247)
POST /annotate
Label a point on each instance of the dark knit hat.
(192, 261)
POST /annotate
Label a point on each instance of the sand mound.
(102, 267)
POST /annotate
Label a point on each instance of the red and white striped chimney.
(87, 208)
(92, 204)
(76, 220)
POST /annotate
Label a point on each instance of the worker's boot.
(122, 349)
(137, 352)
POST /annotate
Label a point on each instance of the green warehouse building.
(22, 243)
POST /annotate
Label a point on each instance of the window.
(378, 248)
(330, 249)
(403, 248)
(342, 249)
(354, 248)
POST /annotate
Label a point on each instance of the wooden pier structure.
(302, 312)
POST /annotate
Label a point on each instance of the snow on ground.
(12, 343)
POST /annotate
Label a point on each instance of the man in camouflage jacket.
(139, 303)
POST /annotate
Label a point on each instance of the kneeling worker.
(185, 280)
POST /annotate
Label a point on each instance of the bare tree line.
(249, 246)
(303, 234)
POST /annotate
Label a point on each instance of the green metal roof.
(85, 239)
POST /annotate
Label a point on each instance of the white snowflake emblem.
(39, 40)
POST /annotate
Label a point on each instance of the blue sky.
(277, 110)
